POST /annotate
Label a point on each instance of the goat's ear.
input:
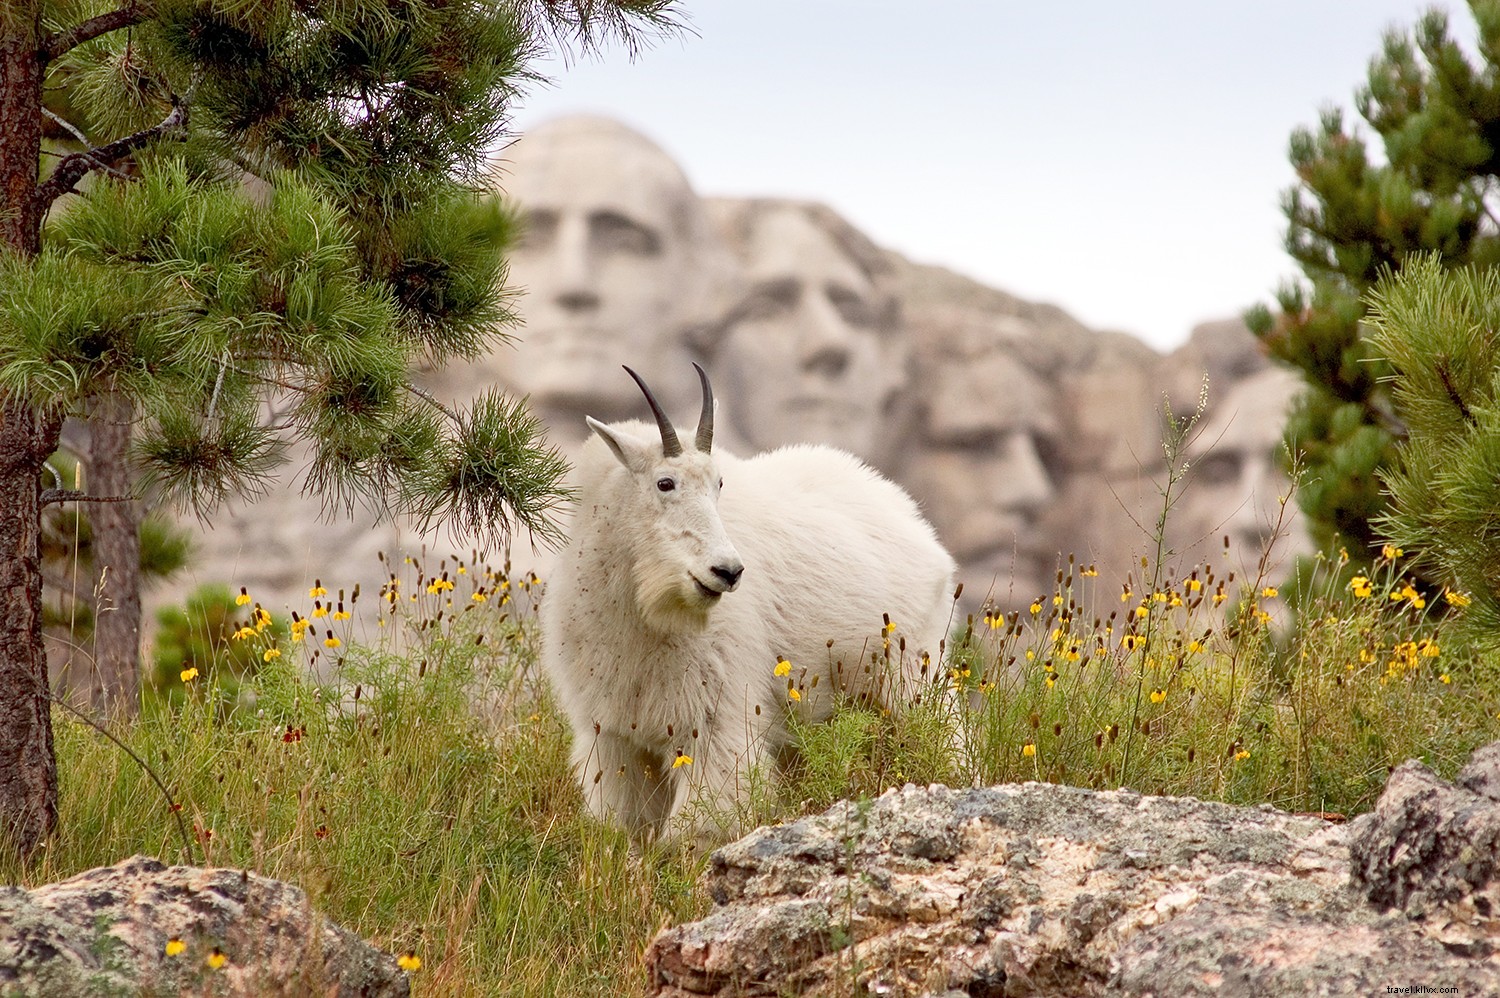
(632, 453)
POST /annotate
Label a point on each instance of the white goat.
(667, 662)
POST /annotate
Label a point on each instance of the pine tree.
(252, 217)
(1438, 331)
(1436, 114)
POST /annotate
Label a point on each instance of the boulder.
(1036, 889)
(106, 932)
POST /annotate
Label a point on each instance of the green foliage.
(1351, 217)
(297, 215)
(205, 635)
(1436, 329)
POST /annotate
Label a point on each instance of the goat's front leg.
(620, 781)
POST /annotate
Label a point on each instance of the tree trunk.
(28, 768)
(114, 683)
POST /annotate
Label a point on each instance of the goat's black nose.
(729, 574)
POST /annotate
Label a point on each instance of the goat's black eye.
(665, 484)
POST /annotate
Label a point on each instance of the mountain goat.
(702, 596)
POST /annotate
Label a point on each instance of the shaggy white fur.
(659, 651)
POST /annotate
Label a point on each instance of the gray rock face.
(1046, 890)
(105, 932)
(1025, 435)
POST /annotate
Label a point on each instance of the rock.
(1432, 850)
(105, 932)
(1035, 889)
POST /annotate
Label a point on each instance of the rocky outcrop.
(1044, 890)
(106, 932)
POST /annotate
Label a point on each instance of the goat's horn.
(705, 439)
(670, 445)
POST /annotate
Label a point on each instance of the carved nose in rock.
(729, 574)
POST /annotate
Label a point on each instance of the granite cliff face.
(1036, 889)
(1025, 435)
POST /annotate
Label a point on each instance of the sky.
(1123, 161)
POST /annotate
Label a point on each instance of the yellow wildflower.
(331, 641)
(1090, 573)
(783, 667)
(1270, 592)
(409, 962)
(1242, 754)
(271, 654)
(792, 694)
(1028, 750)
(319, 610)
(341, 615)
(175, 946)
(1192, 585)
(1445, 678)
(189, 674)
(1390, 552)
(1036, 607)
(439, 585)
(317, 590)
(1360, 587)
(1158, 695)
(242, 598)
(243, 633)
(217, 959)
(1455, 598)
(480, 596)
(682, 760)
(1143, 610)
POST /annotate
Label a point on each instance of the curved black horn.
(705, 438)
(670, 445)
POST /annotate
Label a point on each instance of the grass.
(414, 779)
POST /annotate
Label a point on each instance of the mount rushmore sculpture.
(1025, 436)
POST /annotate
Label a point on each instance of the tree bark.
(114, 683)
(28, 768)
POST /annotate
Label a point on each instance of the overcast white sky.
(1122, 160)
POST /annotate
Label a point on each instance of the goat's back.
(830, 547)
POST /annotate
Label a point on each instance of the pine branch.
(51, 496)
(78, 165)
(60, 42)
(1446, 374)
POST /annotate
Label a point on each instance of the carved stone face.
(1235, 482)
(810, 352)
(979, 469)
(614, 265)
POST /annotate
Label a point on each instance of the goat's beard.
(668, 599)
